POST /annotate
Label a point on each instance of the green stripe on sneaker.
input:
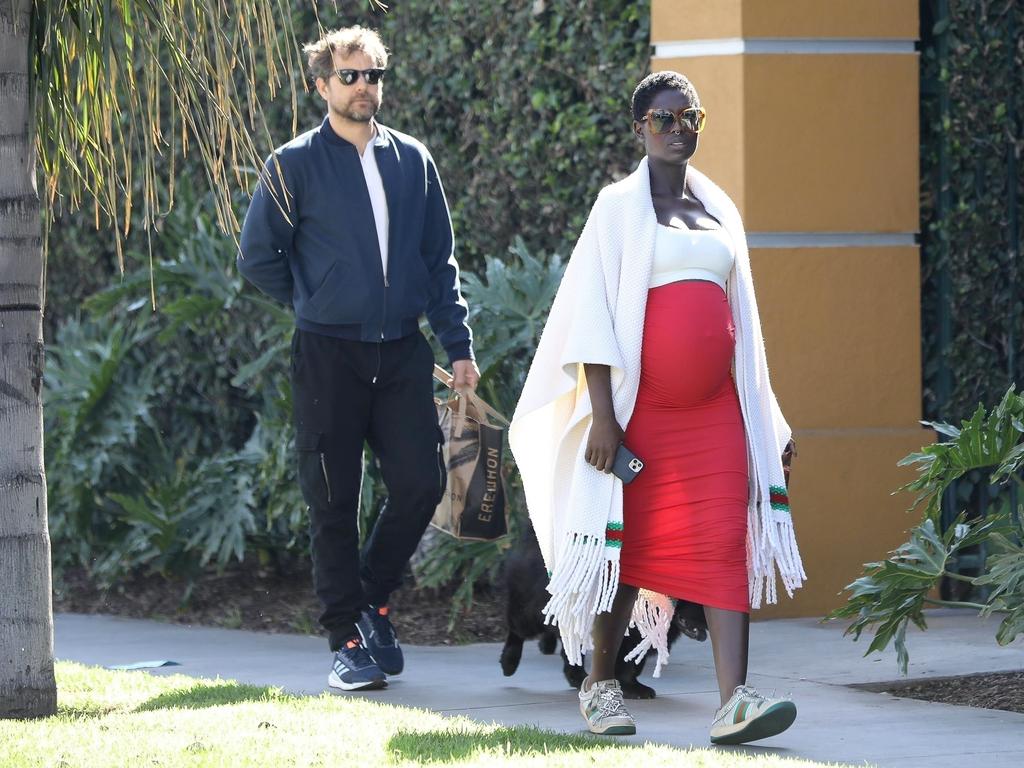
(740, 713)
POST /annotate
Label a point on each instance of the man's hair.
(656, 82)
(347, 40)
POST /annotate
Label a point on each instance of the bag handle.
(443, 376)
(447, 379)
(469, 395)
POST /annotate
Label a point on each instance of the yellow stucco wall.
(842, 332)
(831, 143)
(836, 19)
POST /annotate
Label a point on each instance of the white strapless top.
(691, 254)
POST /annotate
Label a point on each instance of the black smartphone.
(627, 465)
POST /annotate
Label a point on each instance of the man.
(350, 225)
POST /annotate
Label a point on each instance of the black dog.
(525, 582)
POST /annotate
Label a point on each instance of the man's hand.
(466, 375)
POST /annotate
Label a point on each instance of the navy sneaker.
(354, 670)
(380, 640)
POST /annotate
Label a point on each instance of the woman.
(654, 342)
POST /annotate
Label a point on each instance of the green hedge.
(972, 164)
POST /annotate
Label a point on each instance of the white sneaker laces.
(741, 692)
(609, 702)
(753, 693)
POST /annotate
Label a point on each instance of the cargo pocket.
(313, 477)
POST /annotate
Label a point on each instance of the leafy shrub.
(166, 433)
(894, 592)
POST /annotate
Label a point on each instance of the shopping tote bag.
(474, 505)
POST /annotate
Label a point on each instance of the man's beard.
(362, 114)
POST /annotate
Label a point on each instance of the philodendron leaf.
(1013, 461)
(892, 592)
(924, 555)
(942, 428)
(963, 535)
(1006, 576)
(900, 643)
(1011, 626)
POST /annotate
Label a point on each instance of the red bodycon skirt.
(685, 515)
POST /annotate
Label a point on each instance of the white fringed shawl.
(598, 317)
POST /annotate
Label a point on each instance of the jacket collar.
(381, 137)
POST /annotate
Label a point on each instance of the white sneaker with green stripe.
(601, 706)
(749, 716)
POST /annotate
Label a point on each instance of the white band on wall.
(775, 45)
(829, 239)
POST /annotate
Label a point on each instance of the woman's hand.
(787, 459)
(605, 433)
(605, 437)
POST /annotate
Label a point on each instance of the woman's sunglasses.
(349, 76)
(662, 120)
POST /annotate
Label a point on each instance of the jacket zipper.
(384, 308)
(323, 466)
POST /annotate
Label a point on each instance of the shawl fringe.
(582, 590)
(652, 616)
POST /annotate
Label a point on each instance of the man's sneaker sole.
(367, 685)
(773, 721)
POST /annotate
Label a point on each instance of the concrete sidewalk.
(811, 661)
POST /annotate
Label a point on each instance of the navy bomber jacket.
(312, 242)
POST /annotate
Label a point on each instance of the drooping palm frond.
(122, 88)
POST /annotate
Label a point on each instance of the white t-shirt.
(378, 200)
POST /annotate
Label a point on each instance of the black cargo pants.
(346, 393)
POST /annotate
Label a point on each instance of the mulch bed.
(260, 599)
(991, 690)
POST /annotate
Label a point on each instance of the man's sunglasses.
(662, 120)
(349, 76)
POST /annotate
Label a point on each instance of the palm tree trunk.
(27, 687)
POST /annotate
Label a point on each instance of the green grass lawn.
(139, 720)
